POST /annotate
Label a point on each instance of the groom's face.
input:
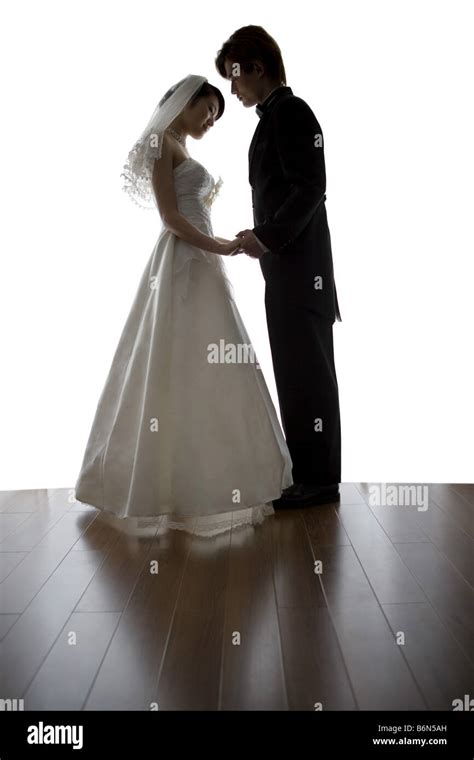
(245, 86)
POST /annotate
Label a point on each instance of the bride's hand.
(228, 247)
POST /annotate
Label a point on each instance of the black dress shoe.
(306, 495)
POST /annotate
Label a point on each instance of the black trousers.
(301, 342)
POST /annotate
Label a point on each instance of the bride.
(181, 436)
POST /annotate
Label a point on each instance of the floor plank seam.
(20, 614)
(222, 663)
(334, 628)
(170, 627)
(125, 607)
(438, 615)
(428, 540)
(277, 608)
(401, 653)
(451, 517)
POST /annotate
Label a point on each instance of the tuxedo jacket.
(288, 179)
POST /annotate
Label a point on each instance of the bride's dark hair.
(205, 90)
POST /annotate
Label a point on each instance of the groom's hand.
(250, 244)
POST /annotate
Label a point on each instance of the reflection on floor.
(346, 606)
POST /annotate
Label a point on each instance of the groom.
(292, 241)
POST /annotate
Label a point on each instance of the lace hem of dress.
(215, 524)
(201, 525)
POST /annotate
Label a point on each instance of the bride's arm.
(163, 188)
(222, 240)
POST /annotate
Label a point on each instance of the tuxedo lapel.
(281, 91)
(255, 139)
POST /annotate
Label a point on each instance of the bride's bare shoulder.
(173, 151)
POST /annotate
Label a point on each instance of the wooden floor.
(240, 621)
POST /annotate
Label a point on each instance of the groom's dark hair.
(248, 44)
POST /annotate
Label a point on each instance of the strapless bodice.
(195, 191)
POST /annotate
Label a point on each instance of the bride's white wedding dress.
(176, 433)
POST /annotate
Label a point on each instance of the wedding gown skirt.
(185, 433)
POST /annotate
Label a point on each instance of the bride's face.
(201, 115)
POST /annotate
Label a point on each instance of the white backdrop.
(389, 83)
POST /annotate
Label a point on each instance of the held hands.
(228, 247)
(249, 244)
(245, 242)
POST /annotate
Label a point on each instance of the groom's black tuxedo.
(288, 179)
